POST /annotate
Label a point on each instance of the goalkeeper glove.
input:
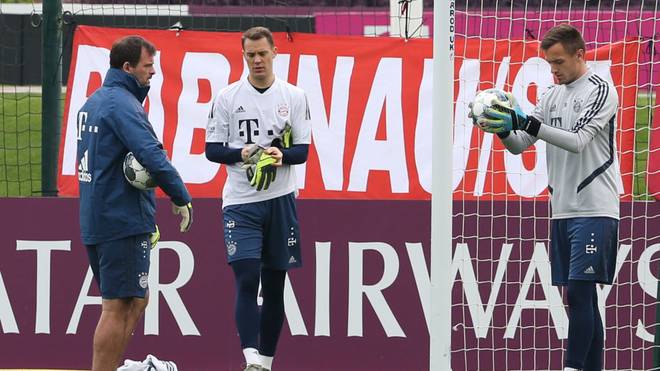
(253, 155)
(471, 115)
(499, 118)
(262, 173)
(186, 213)
(154, 237)
(286, 136)
(286, 141)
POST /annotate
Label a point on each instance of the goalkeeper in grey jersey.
(577, 118)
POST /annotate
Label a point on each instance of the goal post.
(493, 305)
(441, 191)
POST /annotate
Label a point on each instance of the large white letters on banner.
(648, 281)
(539, 264)
(423, 145)
(388, 154)
(322, 312)
(169, 290)
(422, 278)
(467, 88)
(374, 293)
(84, 299)
(7, 318)
(292, 310)
(154, 101)
(214, 68)
(524, 182)
(43, 249)
(328, 132)
(487, 141)
(473, 282)
(340, 146)
(462, 263)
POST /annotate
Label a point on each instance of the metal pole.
(51, 93)
(441, 188)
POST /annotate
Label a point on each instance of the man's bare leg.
(137, 306)
(114, 330)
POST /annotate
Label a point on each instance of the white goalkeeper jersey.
(579, 126)
(242, 116)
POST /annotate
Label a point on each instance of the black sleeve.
(295, 155)
(219, 152)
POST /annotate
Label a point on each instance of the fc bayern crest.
(577, 105)
(231, 248)
(144, 280)
(283, 109)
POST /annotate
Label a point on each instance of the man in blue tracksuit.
(117, 220)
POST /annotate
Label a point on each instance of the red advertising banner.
(371, 104)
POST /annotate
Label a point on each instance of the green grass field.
(20, 144)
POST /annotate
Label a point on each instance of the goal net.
(506, 315)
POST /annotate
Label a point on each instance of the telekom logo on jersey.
(363, 120)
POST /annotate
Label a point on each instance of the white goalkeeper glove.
(502, 118)
(186, 212)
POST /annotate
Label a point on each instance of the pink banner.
(598, 27)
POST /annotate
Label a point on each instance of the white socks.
(267, 362)
(570, 369)
(251, 356)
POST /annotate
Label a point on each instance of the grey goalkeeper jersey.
(579, 125)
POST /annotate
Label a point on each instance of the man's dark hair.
(257, 33)
(569, 37)
(129, 49)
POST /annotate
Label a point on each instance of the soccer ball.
(136, 174)
(486, 99)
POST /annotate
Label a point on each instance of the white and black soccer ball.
(136, 174)
(486, 99)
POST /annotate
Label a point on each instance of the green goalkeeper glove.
(253, 156)
(262, 173)
(154, 237)
(286, 140)
(286, 136)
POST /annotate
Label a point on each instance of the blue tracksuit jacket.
(110, 124)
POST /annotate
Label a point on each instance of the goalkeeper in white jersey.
(259, 126)
(577, 118)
